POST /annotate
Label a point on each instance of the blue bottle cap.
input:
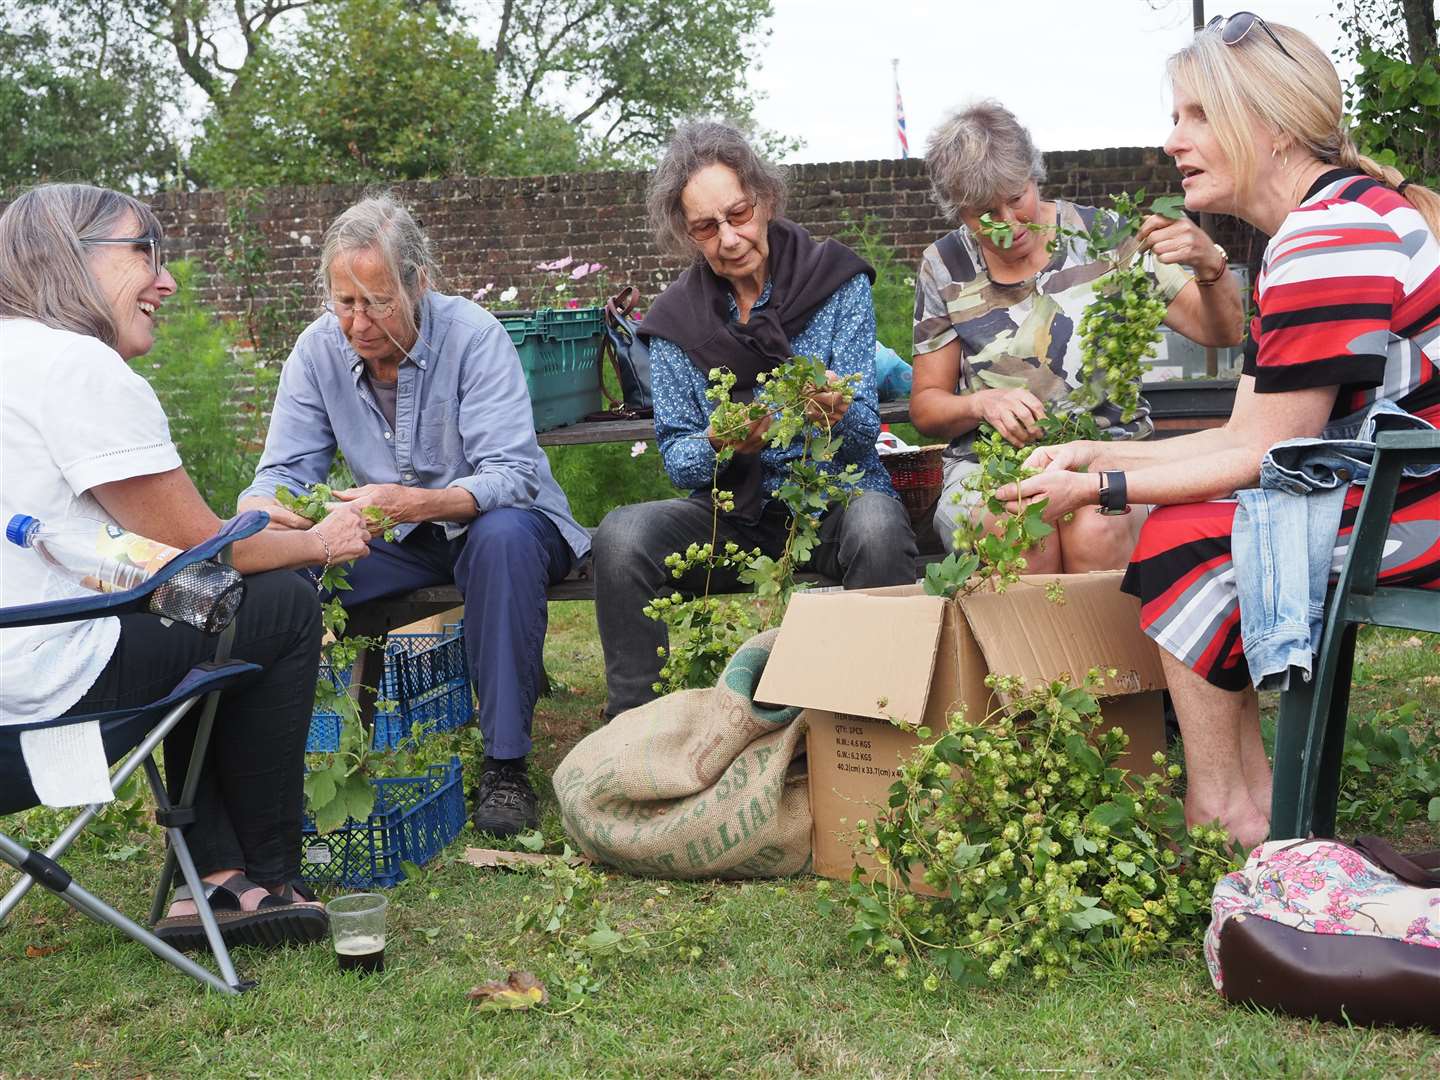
(18, 527)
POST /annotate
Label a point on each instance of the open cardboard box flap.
(1020, 632)
(868, 653)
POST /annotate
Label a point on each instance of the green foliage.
(598, 478)
(79, 106)
(214, 400)
(999, 550)
(1118, 329)
(1394, 99)
(1390, 772)
(270, 322)
(587, 943)
(365, 90)
(705, 630)
(337, 785)
(308, 91)
(894, 290)
(1043, 852)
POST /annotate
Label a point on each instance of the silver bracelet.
(326, 545)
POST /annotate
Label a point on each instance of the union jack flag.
(900, 113)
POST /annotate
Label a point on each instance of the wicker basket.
(918, 476)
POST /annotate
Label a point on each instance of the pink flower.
(1325, 926)
(637, 448)
(583, 269)
(1418, 933)
(558, 264)
(574, 303)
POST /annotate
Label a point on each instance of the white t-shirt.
(72, 416)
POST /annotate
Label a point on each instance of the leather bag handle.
(1416, 867)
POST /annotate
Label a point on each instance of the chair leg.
(1332, 748)
(180, 852)
(1286, 819)
(1336, 647)
(51, 875)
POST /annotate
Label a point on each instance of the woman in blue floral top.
(760, 291)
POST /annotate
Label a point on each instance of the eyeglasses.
(1234, 29)
(707, 229)
(344, 309)
(149, 244)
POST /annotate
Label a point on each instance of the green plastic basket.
(560, 352)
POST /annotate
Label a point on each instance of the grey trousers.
(865, 545)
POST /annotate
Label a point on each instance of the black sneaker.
(505, 802)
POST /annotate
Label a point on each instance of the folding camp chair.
(1310, 729)
(159, 595)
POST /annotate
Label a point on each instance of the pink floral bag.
(1331, 930)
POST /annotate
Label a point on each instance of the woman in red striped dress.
(1349, 313)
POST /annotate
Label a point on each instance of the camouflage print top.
(1022, 334)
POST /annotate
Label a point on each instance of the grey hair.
(45, 273)
(382, 224)
(693, 146)
(978, 156)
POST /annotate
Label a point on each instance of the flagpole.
(900, 137)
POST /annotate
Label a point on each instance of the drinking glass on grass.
(357, 924)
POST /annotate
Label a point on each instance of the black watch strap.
(1112, 493)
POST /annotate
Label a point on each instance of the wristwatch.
(1112, 494)
(1224, 265)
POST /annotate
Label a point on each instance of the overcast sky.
(1081, 74)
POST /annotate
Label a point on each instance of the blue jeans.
(502, 565)
(1284, 537)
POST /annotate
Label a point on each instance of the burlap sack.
(697, 784)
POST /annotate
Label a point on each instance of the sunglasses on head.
(1235, 28)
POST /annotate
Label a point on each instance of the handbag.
(1341, 932)
(628, 357)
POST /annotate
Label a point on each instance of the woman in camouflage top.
(995, 327)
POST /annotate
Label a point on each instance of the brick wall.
(496, 230)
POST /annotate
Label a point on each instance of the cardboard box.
(854, 659)
(434, 624)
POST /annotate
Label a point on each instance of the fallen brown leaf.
(520, 990)
(35, 952)
(1413, 642)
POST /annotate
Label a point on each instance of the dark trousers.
(502, 565)
(250, 795)
(865, 545)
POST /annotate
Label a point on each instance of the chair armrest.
(97, 605)
(1409, 440)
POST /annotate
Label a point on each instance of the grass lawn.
(776, 993)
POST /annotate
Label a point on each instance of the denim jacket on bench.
(1297, 509)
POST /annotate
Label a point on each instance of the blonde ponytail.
(1425, 201)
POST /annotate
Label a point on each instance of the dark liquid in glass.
(365, 963)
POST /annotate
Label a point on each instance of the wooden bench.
(1176, 408)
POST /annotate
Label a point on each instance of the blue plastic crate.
(414, 819)
(560, 355)
(427, 678)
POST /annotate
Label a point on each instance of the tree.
(366, 90)
(611, 76)
(1395, 97)
(79, 103)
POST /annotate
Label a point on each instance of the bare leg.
(1222, 733)
(1091, 541)
(1253, 761)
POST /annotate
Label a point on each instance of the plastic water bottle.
(96, 554)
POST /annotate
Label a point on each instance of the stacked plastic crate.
(425, 690)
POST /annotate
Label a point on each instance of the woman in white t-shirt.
(81, 435)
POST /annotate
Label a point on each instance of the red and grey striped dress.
(1349, 296)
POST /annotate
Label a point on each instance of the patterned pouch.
(1331, 930)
